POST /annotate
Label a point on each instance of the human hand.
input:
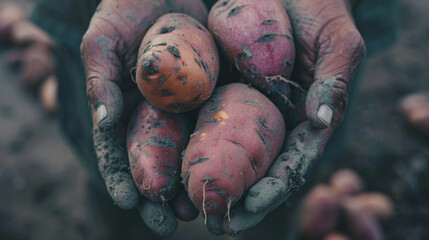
(109, 52)
(328, 50)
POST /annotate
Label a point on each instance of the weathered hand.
(109, 51)
(328, 48)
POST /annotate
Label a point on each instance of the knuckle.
(87, 40)
(91, 89)
(340, 90)
(352, 41)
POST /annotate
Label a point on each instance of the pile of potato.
(31, 51)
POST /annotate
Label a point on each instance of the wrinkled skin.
(328, 50)
(109, 52)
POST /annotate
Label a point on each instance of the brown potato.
(178, 64)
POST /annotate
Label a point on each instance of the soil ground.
(45, 192)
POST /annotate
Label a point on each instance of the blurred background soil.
(45, 192)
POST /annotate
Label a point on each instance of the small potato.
(376, 204)
(346, 182)
(336, 236)
(37, 64)
(415, 108)
(320, 214)
(360, 224)
(25, 33)
(10, 13)
(155, 141)
(48, 94)
(178, 64)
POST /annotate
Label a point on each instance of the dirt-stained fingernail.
(324, 114)
(101, 113)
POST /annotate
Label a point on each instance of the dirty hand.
(109, 52)
(328, 48)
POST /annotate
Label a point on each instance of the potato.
(360, 224)
(48, 94)
(155, 141)
(257, 38)
(239, 132)
(178, 64)
(345, 182)
(10, 13)
(26, 33)
(415, 108)
(377, 205)
(336, 236)
(320, 214)
(37, 64)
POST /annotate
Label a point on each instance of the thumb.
(339, 53)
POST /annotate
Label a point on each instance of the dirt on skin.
(45, 192)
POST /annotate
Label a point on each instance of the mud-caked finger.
(215, 224)
(303, 147)
(106, 103)
(158, 217)
(240, 219)
(340, 51)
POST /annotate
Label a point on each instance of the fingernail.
(101, 113)
(324, 114)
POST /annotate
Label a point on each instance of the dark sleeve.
(65, 20)
(377, 20)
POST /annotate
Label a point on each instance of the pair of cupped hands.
(328, 50)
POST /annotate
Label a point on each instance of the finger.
(106, 102)
(341, 49)
(158, 217)
(183, 207)
(241, 220)
(266, 190)
(304, 145)
(215, 224)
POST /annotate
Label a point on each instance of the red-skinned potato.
(10, 13)
(346, 182)
(155, 141)
(336, 236)
(377, 205)
(48, 94)
(360, 224)
(25, 32)
(239, 132)
(257, 38)
(37, 64)
(320, 212)
(178, 64)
